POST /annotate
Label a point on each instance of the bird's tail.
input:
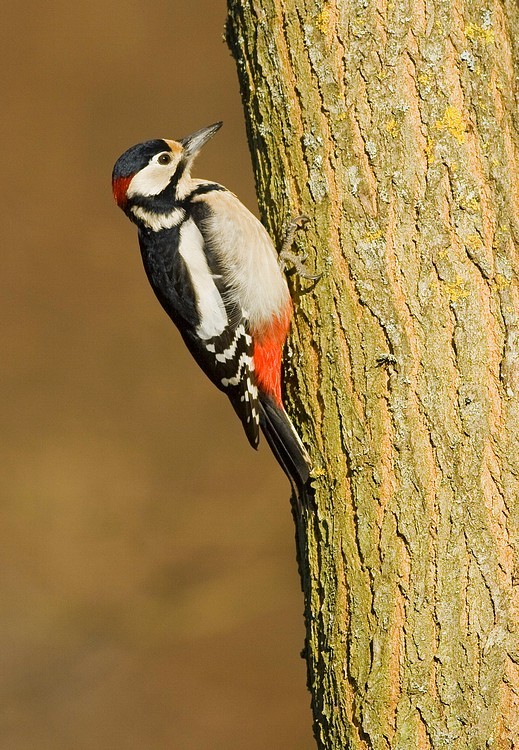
(285, 444)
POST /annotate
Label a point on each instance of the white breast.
(249, 257)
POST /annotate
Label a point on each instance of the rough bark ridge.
(394, 126)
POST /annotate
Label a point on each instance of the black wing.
(227, 359)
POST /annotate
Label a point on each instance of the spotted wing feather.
(229, 363)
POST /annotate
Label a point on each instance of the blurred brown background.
(149, 591)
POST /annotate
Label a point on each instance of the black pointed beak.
(194, 142)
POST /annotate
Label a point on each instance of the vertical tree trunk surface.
(394, 126)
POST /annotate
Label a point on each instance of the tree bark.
(394, 126)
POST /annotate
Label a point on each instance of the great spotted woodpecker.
(214, 270)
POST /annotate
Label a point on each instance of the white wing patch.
(209, 303)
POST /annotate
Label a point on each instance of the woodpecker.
(215, 271)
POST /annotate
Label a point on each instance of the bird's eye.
(164, 159)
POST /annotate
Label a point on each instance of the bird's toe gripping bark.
(287, 257)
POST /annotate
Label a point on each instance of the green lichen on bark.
(394, 126)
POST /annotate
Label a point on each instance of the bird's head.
(153, 172)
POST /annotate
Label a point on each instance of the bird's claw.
(286, 256)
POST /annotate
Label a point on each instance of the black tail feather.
(285, 444)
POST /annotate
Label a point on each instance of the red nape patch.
(268, 351)
(119, 188)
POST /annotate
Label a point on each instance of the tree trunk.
(394, 127)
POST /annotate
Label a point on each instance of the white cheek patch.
(152, 180)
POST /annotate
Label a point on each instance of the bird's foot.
(287, 257)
